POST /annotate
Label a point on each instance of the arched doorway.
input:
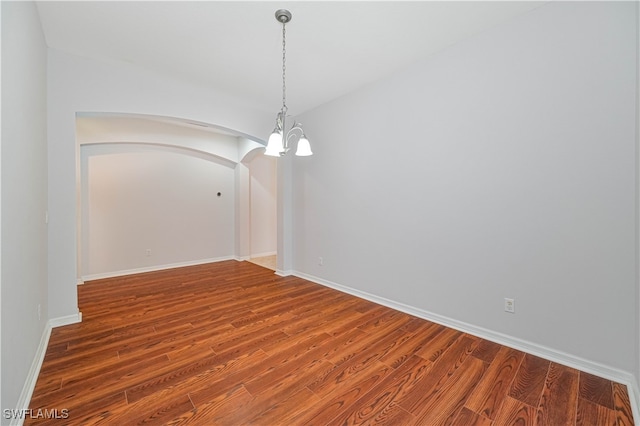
(149, 184)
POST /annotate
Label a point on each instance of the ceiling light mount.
(278, 144)
(283, 16)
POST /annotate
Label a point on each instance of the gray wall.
(24, 194)
(263, 205)
(504, 166)
(151, 198)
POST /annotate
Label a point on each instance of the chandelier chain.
(284, 67)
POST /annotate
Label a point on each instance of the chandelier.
(279, 141)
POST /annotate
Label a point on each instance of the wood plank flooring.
(230, 343)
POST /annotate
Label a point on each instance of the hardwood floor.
(231, 343)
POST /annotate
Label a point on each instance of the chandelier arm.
(291, 133)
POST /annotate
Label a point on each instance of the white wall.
(206, 226)
(148, 198)
(83, 85)
(24, 195)
(503, 166)
(263, 205)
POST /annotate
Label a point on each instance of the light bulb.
(274, 146)
(304, 148)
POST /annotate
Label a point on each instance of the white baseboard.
(288, 273)
(32, 376)
(36, 364)
(541, 351)
(154, 268)
(634, 396)
(66, 320)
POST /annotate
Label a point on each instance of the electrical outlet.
(39, 312)
(147, 252)
(509, 305)
(320, 261)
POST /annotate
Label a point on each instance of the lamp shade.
(304, 148)
(274, 145)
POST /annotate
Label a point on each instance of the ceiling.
(236, 46)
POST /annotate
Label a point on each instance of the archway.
(114, 144)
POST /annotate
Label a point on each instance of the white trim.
(242, 258)
(634, 397)
(541, 351)
(66, 320)
(288, 273)
(154, 268)
(36, 365)
(32, 376)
